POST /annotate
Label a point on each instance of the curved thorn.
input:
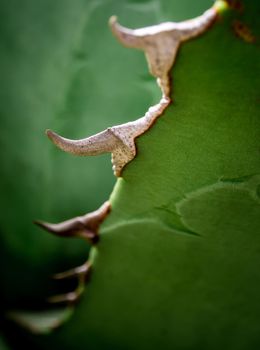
(103, 142)
(71, 297)
(161, 42)
(85, 226)
(82, 273)
(68, 228)
(82, 270)
(119, 140)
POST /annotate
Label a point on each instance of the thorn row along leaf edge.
(160, 44)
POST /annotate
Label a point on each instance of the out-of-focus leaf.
(41, 322)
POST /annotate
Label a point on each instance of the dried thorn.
(100, 143)
(161, 42)
(85, 226)
(69, 228)
(82, 273)
(71, 297)
(82, 270)
(119, 140)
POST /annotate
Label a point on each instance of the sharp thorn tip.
(112, 20)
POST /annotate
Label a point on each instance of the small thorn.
(82, 270)
(71, 297)
(82, 273)
(85, 226)
(69, 228)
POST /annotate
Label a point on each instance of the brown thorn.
(85, 226)
(71, 297)
(82, 270)
(82, 273)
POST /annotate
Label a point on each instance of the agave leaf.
(177, 263)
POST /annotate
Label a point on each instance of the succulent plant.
(171, 258)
